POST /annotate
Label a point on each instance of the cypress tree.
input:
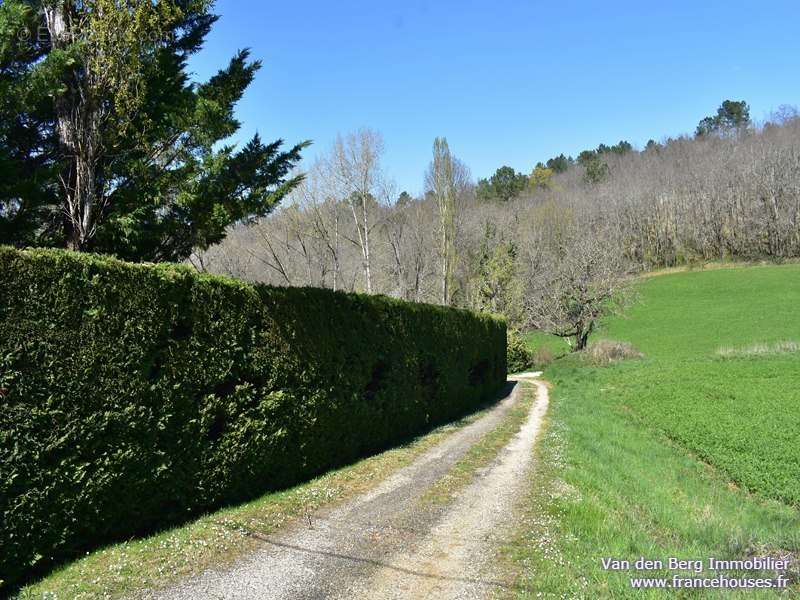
(107, 145)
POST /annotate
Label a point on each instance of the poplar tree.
(442, 184)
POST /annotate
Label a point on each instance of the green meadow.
(692, 451)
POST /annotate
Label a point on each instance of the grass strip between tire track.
(483, 452)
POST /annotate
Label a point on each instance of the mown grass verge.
(684, 453)
(219, 538)
(604, 486)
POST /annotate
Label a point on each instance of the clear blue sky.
(506, 82)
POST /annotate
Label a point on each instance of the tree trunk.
(582, 334)
(445, 268)
(78, 128)
(336, 252)
(367, 269)
(363, 241)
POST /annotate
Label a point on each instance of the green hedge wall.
(135, 396)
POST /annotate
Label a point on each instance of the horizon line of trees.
(107, 145)
(732, 118)
(733, 192)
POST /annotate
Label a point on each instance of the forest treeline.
(730, 191)
(108, 144)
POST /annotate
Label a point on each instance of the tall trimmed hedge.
(134, 396)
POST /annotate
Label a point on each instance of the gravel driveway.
(386, 543)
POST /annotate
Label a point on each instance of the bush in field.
(136, 396)
(542, 357)
(518, 355)
(604, 352)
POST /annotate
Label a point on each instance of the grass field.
(688, 452)
(538, 339)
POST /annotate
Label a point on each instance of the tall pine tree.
(106, 144)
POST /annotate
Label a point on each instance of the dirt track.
(386, 543)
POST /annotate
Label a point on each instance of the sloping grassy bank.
(691, 452)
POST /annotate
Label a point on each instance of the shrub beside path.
(387, 543)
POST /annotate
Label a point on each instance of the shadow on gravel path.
(385, 543)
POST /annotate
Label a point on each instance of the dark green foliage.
(28, 203)
(732, 116)
(503, 185)
(404, 199)
(652, 146)
(595, 168)
(559, 164)
(596, 171)
(496, 287)
(164, 179)
(621, 148)
(586, 157)
(135, 396)
(518, 355)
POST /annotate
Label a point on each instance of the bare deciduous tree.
(324, 211)
(354, 169)
(445, 181)
(571, 291)
(681, 201)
